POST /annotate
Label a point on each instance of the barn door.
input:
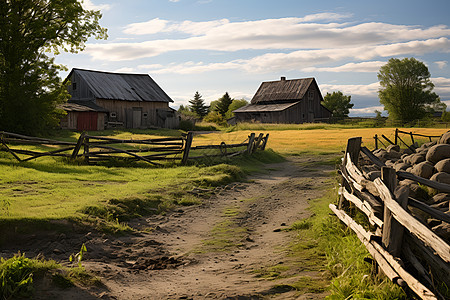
(87, 121)
(137, 117)
(310, 117)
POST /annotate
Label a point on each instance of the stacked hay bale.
(430, 161)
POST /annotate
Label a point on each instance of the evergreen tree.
(223, 104)
(197, 105)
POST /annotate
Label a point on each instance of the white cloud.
(441, 64)
(366, 110)
(87, 4)
(124, 70)
(367, 66)
(283, 33)
(370, 90)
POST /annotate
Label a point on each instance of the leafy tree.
(223, 103)
(30, 87)
(198, 105)
(338, 104)
(445, 116)
(235, 104)
(406, 89)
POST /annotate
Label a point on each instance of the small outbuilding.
(285, 101)
(102, 100)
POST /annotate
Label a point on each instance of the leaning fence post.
(258, 141)
(263, 146)
(353, 148)
(251, 142)
(187, 147)
(412, 138)
(392, 230)
(78, 145)
(376, 141)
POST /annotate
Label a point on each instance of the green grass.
(330, 247)
(18, 274)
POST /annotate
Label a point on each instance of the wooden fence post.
(392, 230)
(187, 147)
(396, 135)
(376, 141)
(412, 138)
(353, 148)
(251, 143)
(258, 141)
(86, 150)
(263, 146)
(78, 145)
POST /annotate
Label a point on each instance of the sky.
(218, 46)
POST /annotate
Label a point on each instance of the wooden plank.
(363, 206)
(352, 151)
(187, 147)
(263, 146)
(78, 145)
(431, 239)
(11, 151)
(390, 266)
(134, 141)
(365, 237)
(372, 157)
(258, 140)
(434, 184)
(389, 141)
(435, 213)
(251, 143)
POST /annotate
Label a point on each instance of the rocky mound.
(431, 161)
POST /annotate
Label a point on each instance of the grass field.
(52, 189)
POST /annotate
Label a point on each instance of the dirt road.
(216, 250)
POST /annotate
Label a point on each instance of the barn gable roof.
(121, 86)
(283, 90)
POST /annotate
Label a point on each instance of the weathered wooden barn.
(285, 101)
(103, 99)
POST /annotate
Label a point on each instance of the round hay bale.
(441, 177)
(401, 166)
(441, 197)
(394, 154)
(423, 169)
(442, 206)
(416, 158)
(438, 152)
(445, 138)
(395, 148)
(443, 165)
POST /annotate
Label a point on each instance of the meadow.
(48, 189)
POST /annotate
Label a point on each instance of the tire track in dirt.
(245, 219)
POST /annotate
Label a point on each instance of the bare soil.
(215, 250)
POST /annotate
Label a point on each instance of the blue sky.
(218, 46)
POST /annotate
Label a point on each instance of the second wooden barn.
(285, 101)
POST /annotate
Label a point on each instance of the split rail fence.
(406, 250)
(398, 138)
(96, 149)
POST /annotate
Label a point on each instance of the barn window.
(74, 86)
(112, 114)
(145, 115)
(311, 95)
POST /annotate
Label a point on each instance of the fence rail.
(405, 249)
(96, 149)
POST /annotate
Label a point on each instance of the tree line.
(33, 32)
(217, 112)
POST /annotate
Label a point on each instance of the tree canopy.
(235, 104)
(223, 104)
(30, 87)
(198, 106)
(406, 89)
(338, 103)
